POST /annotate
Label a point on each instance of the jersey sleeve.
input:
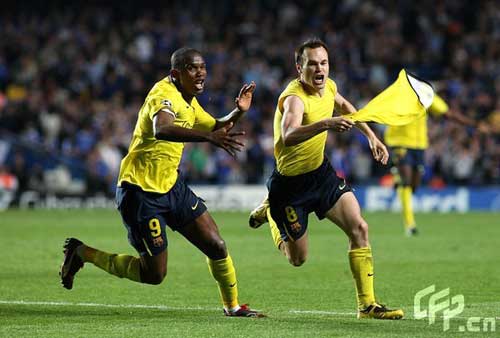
(155, 103)
(438, 106)
(203, 120)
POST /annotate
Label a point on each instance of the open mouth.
(199, 84)
(318, 79)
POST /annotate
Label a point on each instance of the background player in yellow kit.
(408, 143)
(151, 194)
(305, 182)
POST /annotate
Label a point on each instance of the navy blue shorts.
(293, 198)
(146, 214)
(408, 156)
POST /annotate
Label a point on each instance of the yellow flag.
(401, 103)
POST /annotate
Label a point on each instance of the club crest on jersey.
(158, 242)
(166, 103)
(295, 227)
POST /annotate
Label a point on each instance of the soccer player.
(150, 193)
(407, 143)
(305, 182)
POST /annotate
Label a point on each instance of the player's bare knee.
(297, 261)
(156, 278)
(217, 249)
(359, 232)
(363, 228)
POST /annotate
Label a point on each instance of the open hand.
(379, 150)
(244, 99)
(484, 128)
(227, 140)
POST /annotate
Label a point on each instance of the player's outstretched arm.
(457, 116)
(164, 129)
(439, 107)
(226, 139)
(243, 102)
(379, 150)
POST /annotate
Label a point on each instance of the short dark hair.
(182, 56)
(309, 43)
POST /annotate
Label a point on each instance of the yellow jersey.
(414, 134)
(151, 163)
(308, 155)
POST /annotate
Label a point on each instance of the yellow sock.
(123, 266)
(405, 196)
(223, 272)
(361, 263)
(274, 229)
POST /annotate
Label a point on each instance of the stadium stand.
(72, 82)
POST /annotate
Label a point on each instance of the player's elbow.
(157, 132)
(289, 141)
(160, 134)
(165, 133)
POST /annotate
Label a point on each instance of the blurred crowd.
(72, 82)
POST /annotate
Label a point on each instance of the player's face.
(315, 68)
(192, 76)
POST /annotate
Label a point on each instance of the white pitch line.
(157, 307)
(174, 308)
(125, 306)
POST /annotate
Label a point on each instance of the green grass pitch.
(456, 251)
